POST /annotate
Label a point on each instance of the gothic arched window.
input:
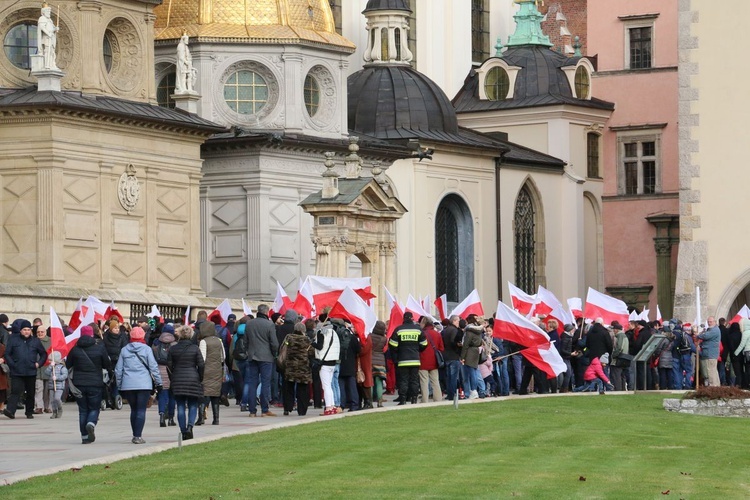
(454, 249)
(524, 222)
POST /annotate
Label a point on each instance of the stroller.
(110, 400)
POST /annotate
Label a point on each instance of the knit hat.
(569, 327)
(616, 325)
(24, 323)
(137, 333)
(87, 331)
(168, 328)
(290, 315)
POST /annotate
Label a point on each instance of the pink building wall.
(646, 96)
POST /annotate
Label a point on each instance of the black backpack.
(684, 346)
(162, 354)
(240, 348)
(345, 338)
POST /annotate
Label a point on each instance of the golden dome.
(263, 21)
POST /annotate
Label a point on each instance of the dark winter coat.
(298, 352)
(566, 345)
(21, 354)
(4, 334)
(262, 344)
(213, 373)
(598, 341)
(379, 340)
(406, 342)
(114, 344)
(348, 359)
(472, 343)
(451, 336)
(186, 369)
(87, 358)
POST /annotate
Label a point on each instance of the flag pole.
(695, 340)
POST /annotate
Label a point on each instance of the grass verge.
(564, 447)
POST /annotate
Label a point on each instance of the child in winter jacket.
(594, 379)
(56, 374)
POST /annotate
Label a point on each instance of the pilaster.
(107, 184)
(50, 220)
(90, 49)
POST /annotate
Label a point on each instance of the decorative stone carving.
(328, 105)
(127, 56)
(47, 38)
(128, 189)
(187, 75)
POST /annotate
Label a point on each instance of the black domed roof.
(387, 5)
(395, 101)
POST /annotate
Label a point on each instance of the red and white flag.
(599, 305)
(304, 301)
(186, 317)
(246, 309)
(112, 311)
(441, 304)
(426, 305)
(743, 313)
(546, 358)
(470, 305)
(282, 302)
(546, 301)
(414, 307)
(326, 291)
(75, 318)
(510, 325)
(99, 307)
(58, 341)
(352, 307)
(396, 316)
(658, 315)
(633, 316)
(644, 315)
(562, 315)
(576, 307)
(220, 315)
(522, 301)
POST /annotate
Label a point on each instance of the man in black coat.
(24, 354)
(598, 340)
(452, 341)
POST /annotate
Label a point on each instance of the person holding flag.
(87, 359)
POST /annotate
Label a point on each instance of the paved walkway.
(44, 446)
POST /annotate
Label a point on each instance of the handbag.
(281, 358)
(75, 391)
(438, 354)
(360, 374)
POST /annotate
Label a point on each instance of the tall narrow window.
(397, 35)
(384, 44)
(592, 155)
(525, 242)
(165, 90)
(640, 171)
(480, 30)
(454, 249)
(640, 48)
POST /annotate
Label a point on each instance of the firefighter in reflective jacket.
(407, 341)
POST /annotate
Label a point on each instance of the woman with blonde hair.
(185, 367)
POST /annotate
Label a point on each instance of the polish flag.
(576, 307)
(75, 318)
(155, 313)
(99, 307)
(186, 317)
(644, 315)
(562, 316)
(282, 302)
(658, 315)
(599, 305)
(441, 304)
(352, 307)
(58, 341)
(303, 304)
(470, 305)
(220, 315)
(417, 310)
(112, 311)
(326, 291)
(522, 301)
(743, 313)
(546, 358)
(633, 316)
(426, 305)
(396, 317)
(546, 301)
(246, 309)
(510, 325)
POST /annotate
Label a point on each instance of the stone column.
(152, 233)
(107, 184)
(664, 278)
(151, 82)
(91, 46)
(259, 243)
(339, 256)
(196, 211)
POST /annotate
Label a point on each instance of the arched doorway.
(454, 249)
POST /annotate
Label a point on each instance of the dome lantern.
(388, 28)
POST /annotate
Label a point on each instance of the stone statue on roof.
(186, 73)
(47, 38)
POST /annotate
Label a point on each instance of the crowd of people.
(270, 363)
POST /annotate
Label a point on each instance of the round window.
(245, 92)
(496, 84)
(20, 43)
(583, 83)
(312, 95)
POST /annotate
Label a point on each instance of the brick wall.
(575, 11)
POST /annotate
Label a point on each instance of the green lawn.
(623, 446)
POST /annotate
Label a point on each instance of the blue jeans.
(88, 407)
(244, 368)
(166, 403)
(595, 385)
(260, 372)
(682, 369)
(137, 401)
(517, 370)
(192, 406)
(470, 376)
(349, 383)
(567, 376)
(501, 376)
(335, 386)
(451, 375)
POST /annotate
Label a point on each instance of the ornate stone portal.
(355, 216)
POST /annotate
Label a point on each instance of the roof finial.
(499, 47)
(353, 162)
(330, 177)
(577, 46)
(528, 26)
